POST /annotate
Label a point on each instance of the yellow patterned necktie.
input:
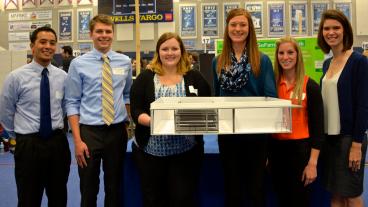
(108, 112)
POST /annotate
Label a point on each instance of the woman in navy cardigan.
(345, 98)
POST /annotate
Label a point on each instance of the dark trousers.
(106, 144)
(42, 164)
(287, 161)
(169, 181)
(244, 159)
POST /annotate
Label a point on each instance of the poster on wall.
(298, 17)
(83, 18)
(65, 25)
(317, 9)
(227, 8)
(85, 47)
(26, 26)
(18, 46)
(18, 36)
(28, 4)
(209, 19)
(256, 11)
(31, 15)
(345, 7)
(276, 19)
(190, 44)
(149, 10)
(188, 17)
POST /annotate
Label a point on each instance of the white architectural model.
(220, 115)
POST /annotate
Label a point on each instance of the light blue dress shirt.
(20, 99)
(84, 84)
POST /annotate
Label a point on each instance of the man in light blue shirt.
(42, 155)
(97, 137)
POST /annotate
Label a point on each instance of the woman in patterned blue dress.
(168, 165)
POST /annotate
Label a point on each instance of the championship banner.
(209, 19)
(188, 21)
(255, 9)
(276, 19)
(123, 12)
(83, 18)
(317, 9)
(298, 15)
(65, 32)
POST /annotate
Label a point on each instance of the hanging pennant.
(11, 4)
(46, 3)
(84, 2)
(64, 2)
(28, 3)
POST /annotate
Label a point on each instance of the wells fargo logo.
(143, 18)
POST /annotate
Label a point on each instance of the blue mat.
(211, 189)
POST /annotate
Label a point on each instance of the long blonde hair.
(299, 67)
(184, 64)
(365, 53)
(224, 59)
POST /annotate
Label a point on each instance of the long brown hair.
(224, 59)
(184, 63)
(348, 38)
(299, 67)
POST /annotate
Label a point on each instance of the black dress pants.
(42, 164)
(170, 181)
(287, 161)
(106, 144)
(243, 158)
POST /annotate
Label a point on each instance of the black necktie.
(45, 123)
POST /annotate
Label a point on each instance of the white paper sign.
(33, 15)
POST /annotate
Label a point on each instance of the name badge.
(58, 95)
(118, 71)
(193, 90)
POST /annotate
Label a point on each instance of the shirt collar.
(99, 54)
(35, 65)
(283, 82)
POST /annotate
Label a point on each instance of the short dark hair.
(68, 49)
(34, 34)
(348, 38)
(101, 18)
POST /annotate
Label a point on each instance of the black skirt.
(338, 178)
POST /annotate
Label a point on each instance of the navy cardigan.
(352, 89)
